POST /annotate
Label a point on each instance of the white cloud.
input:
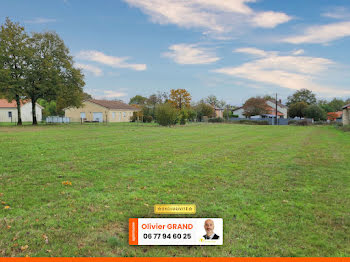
(251, 51)
(298, 52)
(339, 12)
(321, 34)
(90, 68)
(292, 72)
(107, 94)
(40, 20)
(270, 19)
(117, 62)
(190, 54)
(114, 94)
(215, 16)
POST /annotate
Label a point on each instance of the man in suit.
(209, 228)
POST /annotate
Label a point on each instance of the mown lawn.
(282, 191)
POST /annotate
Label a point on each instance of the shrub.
(183, 116)
(320, 123)
(251, 122)
(216, 120)
(166, 114)
(235, 116)
(345, 128)
(339, 124)
(315, 112)
(303, 122)
(292, 122)
(147, 119)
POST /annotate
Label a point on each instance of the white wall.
(283, 110)
(26, 113)
(4, 114)
(239, 112)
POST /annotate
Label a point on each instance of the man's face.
(209, 226)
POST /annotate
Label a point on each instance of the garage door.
(97, 116)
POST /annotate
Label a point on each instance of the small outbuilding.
(94, 110)
(8, 111)
(346, 115)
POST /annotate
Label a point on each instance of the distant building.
(94, 110)
(346, 115)
(282, 110)
(8, 111)
(219, 112)
(333, 116)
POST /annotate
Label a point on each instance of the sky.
(233, 49)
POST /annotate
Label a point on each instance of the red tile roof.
(6, 104)
(272, 111)
(334, 115)
(346, 106)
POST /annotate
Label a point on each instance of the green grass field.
(282, 191)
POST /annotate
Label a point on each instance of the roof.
(6, 104)
(332, 115)
(346, 106)
(278, 103)
(272, 111)
(113, 104)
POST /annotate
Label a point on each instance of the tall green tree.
(315, 112)
(302, 95)
(50, 74)
(297, 109)
(336, 104)
(13, 62)
(138, 100)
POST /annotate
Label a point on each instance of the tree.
(214, 101)
(325, 106)
(50, 74)
(138, 100)
(315, 112)
(13, 53)
(166, 114)
(337, 104)
(302, 95)
(203, 109)
(297, 109)
(87, 96)
(255, 106)
(180, 98)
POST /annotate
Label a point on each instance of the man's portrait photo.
(209, 229)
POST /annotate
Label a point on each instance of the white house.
(8, 111)
(239, 112)
(282, 110)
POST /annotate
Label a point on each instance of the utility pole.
(276, 111)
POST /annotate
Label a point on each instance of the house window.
(124, 114)
(10, 114)
(113, 115)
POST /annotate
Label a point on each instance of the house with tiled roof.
(8, 111)
(94, 110)
(346, 115)
(282, 110)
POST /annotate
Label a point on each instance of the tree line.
(176, 107)
(37, 67)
